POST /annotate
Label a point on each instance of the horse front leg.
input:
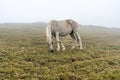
(58, 41)
(63, 47)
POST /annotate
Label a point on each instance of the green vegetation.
(24, 54)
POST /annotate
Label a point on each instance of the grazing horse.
(63, 28)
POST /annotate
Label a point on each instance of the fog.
(86, 12)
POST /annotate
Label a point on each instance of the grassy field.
(24, 54)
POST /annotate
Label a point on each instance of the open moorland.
(24, 54)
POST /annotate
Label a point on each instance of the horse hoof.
(58, 49)
(73, 47)
(51, 50)
(63, 49)
(81, 48)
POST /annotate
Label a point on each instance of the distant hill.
(22, 25)
(42, 25)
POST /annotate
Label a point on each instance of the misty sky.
(86, 12)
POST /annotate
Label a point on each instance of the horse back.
(64, 26)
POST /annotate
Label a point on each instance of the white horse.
(63, 28)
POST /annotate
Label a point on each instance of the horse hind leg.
(79, 42)
(73, 39)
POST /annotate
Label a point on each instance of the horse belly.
(65, 32)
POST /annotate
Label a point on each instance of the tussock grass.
(24, 55)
